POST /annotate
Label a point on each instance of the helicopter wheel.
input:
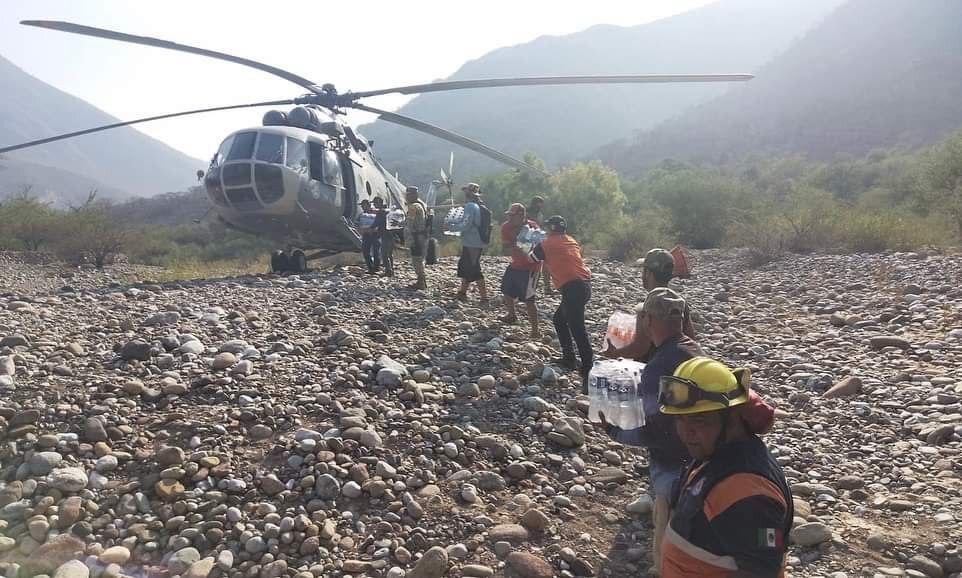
(298, 261)
(279, 262)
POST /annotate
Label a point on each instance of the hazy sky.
(355, 45)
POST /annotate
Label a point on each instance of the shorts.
(663, 478)
(469, 265)
(520, 284)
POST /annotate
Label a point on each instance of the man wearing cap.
(733, 510)
(418, 230)
(520, 280)
(472, 245)
(662, 317)
(562, 254)
(657, 271)
(386, 236)
(370, 240)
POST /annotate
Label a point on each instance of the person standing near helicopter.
(386, 235)
(475, 234)
(417, 225)
(370, 237)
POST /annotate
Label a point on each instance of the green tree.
(90, 231)
(942, 170)
(589, 196)
(701, 205)
(27, 221)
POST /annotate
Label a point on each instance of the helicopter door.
(348, 196)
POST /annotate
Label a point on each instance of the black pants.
(387, 252)
(371, 247)
(569, 321)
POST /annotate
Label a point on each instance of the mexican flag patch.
(769, 538)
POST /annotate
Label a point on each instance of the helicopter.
(299, 177)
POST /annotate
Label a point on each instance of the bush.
(629, 238)
(90, 234)
(873, 233)
(765, 239)
(27, 223)
(701, 204)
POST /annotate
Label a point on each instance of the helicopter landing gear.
(298, 261)
(293, 262)
(279, 262)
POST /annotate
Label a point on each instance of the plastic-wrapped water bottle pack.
(454, 221)
(529, 238)
(396, 219)
(614, 389)
(621, 329)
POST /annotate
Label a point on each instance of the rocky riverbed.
(331, 424)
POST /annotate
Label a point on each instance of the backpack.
(484, 229)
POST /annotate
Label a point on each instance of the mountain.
(875, 74)
(49, 184)
(123, 159)
(561, 124)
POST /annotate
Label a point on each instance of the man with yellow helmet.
(733, 509)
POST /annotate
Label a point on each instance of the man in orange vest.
(734, 510)
(562, 256)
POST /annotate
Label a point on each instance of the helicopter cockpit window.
(242, 147)
(332, 170)
(296, 154)
(270, 148)
(221, 155)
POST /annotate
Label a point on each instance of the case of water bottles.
(396, 219)
(454, 221)
(365, 220)
(529, 238)
(614, 388)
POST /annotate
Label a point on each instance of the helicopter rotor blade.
(159, 43)
(449, 136)
(446, 85)
(136, 121)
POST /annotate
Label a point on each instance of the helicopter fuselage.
(298, 186)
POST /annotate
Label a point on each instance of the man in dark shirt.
(657, 271)
(663, 319)
(386, 235)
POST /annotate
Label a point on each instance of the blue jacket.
(471, 229)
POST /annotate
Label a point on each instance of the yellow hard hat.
(700, 385)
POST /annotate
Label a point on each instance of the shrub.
(873, 233)
(90, 234)
(765, 239)
(630, 238)
(27, 222)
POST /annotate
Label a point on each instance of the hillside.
(57, 186)
(124, 159)
(565, 123)
(875, 74)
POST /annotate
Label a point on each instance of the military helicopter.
(299, 177)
